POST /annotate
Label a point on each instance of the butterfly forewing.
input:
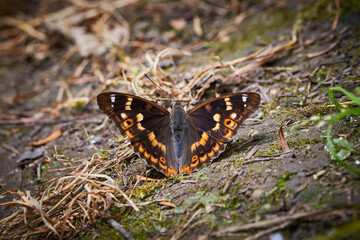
(145, 124)
(221, 117)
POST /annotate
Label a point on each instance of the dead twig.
(316, 54)
(114, 224)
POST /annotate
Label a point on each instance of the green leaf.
(342, 149)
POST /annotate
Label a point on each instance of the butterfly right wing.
(213, 124)
(146, 124)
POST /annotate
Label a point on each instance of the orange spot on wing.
(146, 155)
(171, 171)
(204, 138)
(211, 154)
(163, 148)
(217, 147)
(148, 106)
(152, 139)
(127, 124)
(217, 127)
(230, 124)
(216, 117)
(140, 127)
(229, 134)
(162, 163)
(194, 146)
(127, 133)
(139, 117)
(203, 158)
(141, 148)
(153, 160)
(185, 169)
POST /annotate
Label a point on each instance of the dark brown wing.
(214, 123)
(146, 124)
(199, 149)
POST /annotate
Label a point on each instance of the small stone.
(257, 193)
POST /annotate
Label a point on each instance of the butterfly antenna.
(159, 87)
(198, 84)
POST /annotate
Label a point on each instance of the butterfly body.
(178, 141)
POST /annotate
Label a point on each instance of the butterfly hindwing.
(201, 148)
(157, 150)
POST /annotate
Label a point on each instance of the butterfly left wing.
(147, 126)
(214, 123)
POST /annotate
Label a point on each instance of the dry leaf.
(197, 26)
(168, 204)
(87, 43)
(142, 178)
(251, 152)
(283, 142)
(178, 24)
(49, 138)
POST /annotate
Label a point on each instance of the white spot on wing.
(244, 98)
(233, 115)
(123, 115)
(112, 99)
(112, 105)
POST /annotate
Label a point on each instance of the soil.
(233, 191)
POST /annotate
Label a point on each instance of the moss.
(251, 29)
(284, 180)
(350, 6)
(320, 75)
(318, 10)
(349, 230)
(255, 206)
(301, 142)
(143, 224)
(145, 189)
(200, 198)
(272, 149)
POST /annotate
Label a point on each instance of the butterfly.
(178, 141)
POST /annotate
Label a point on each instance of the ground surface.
(50, 82)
